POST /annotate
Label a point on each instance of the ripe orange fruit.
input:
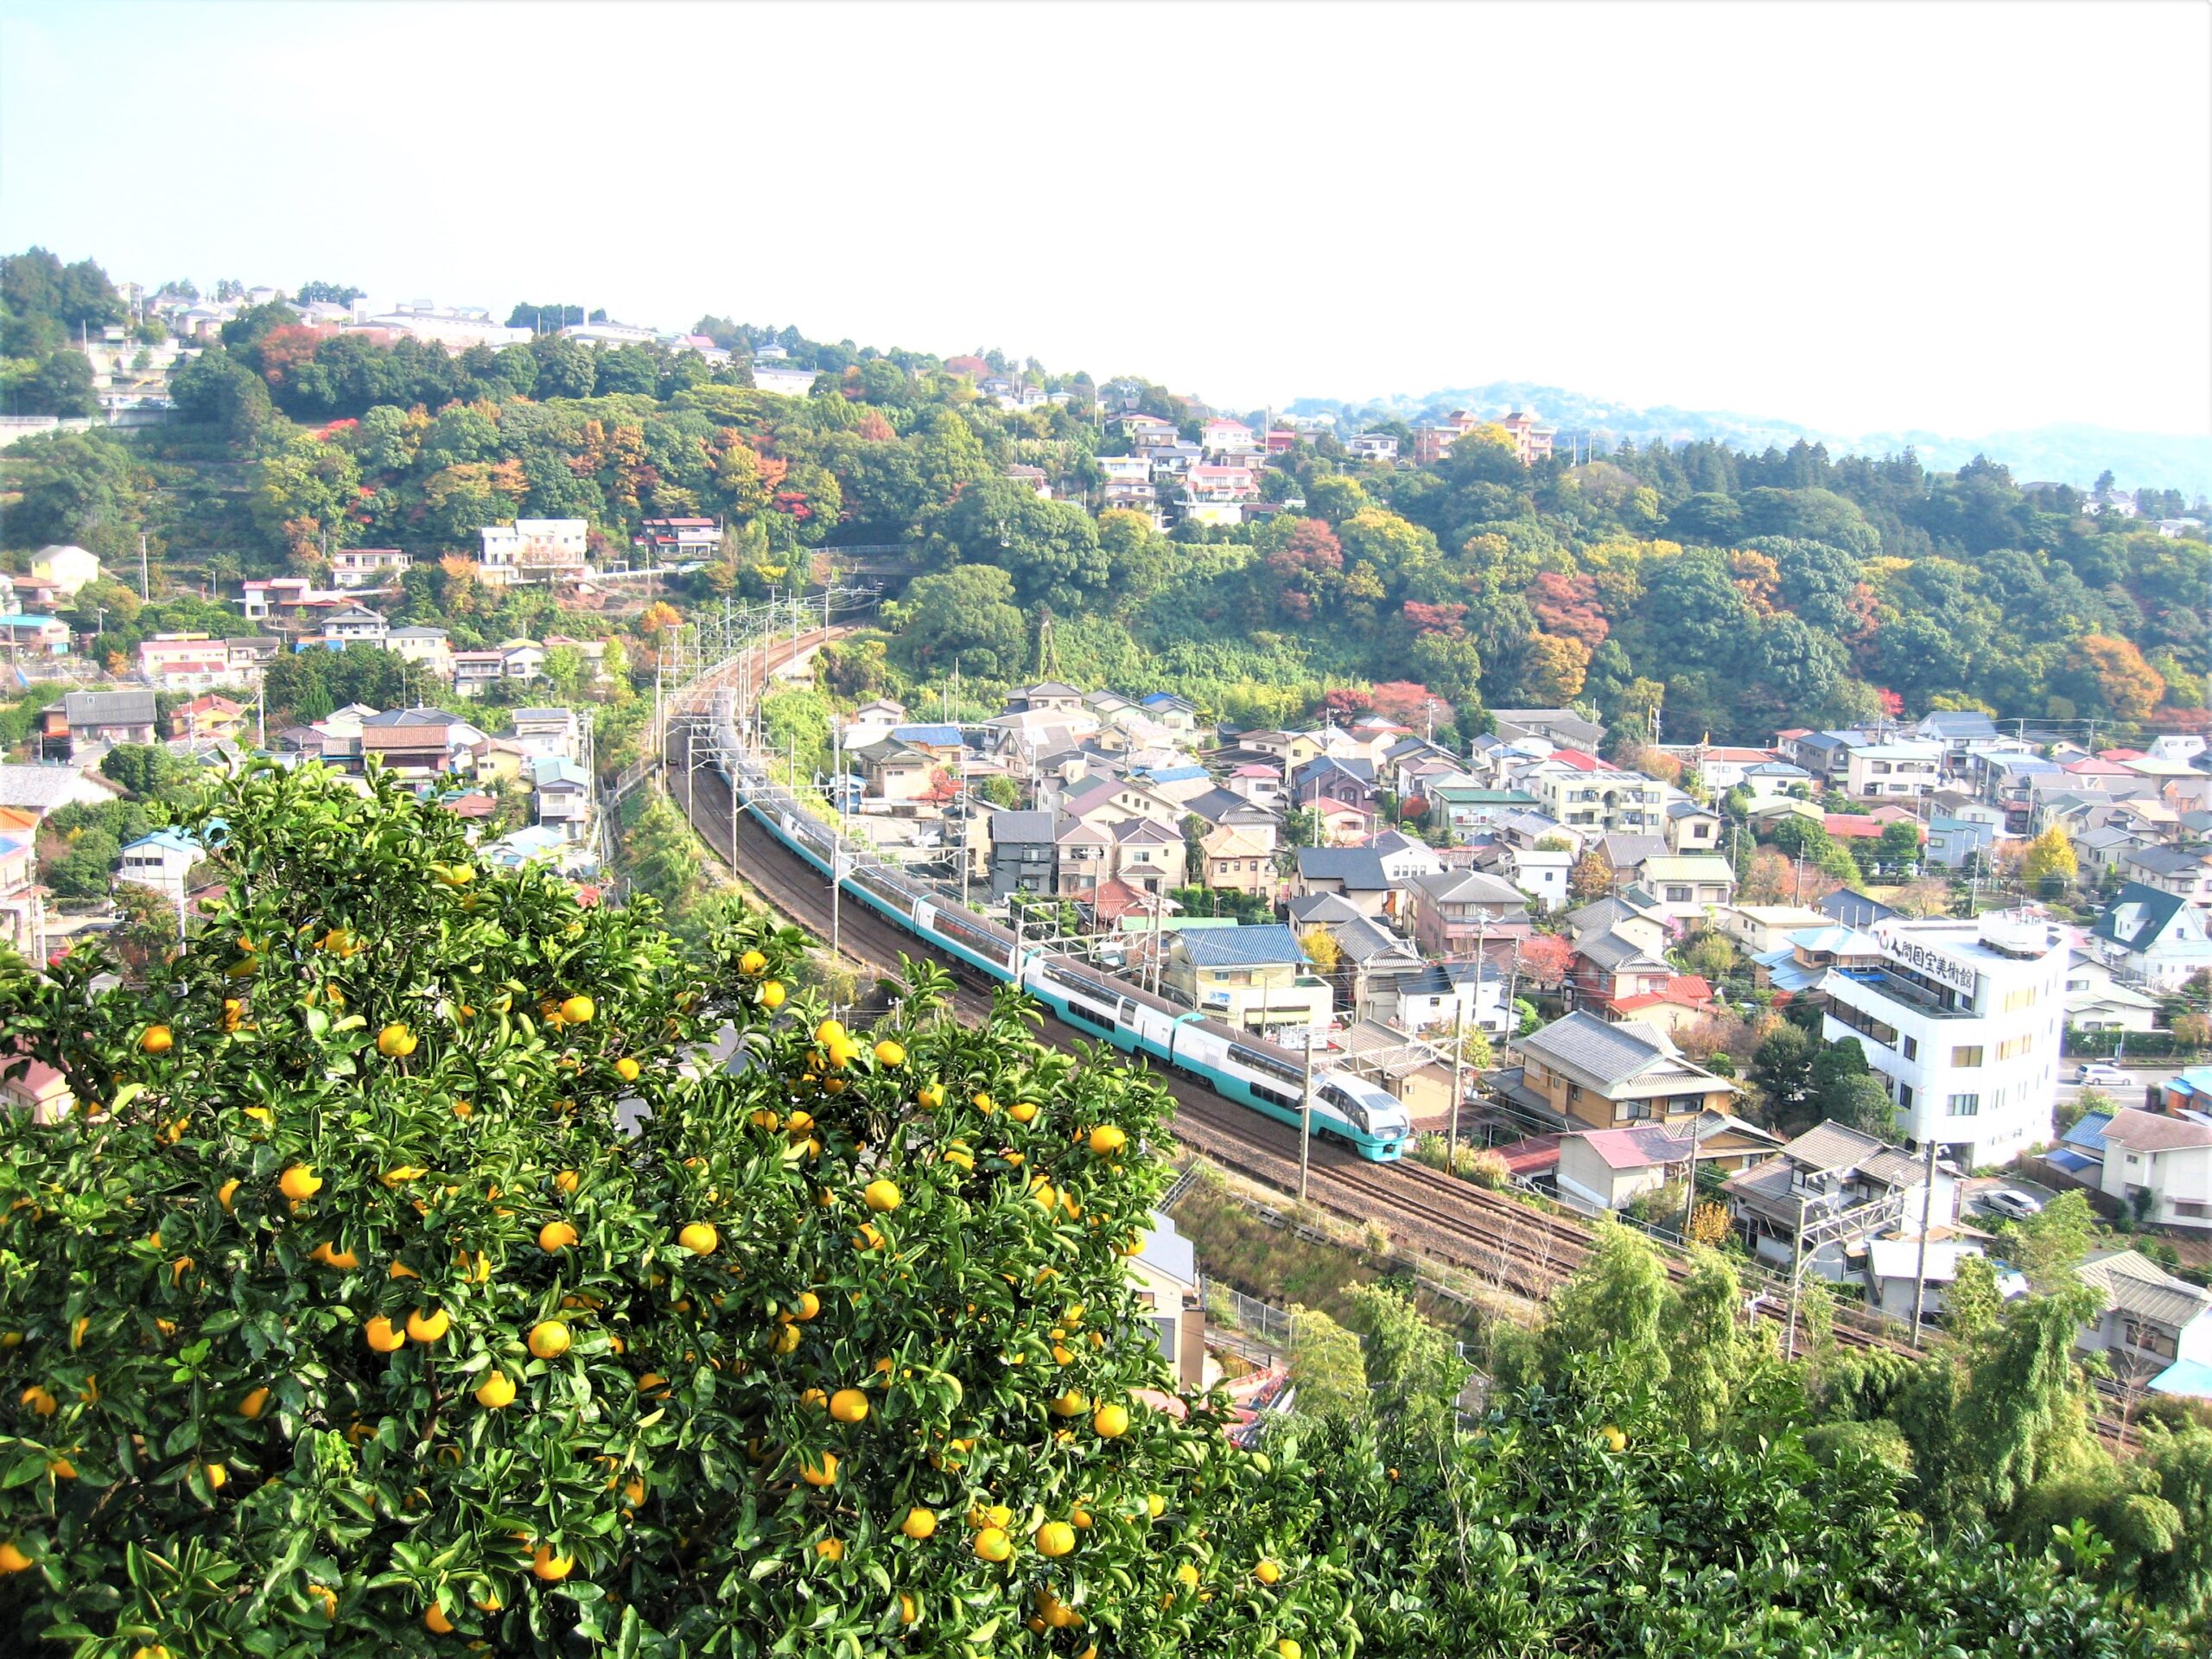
(548, 1338)
(217, 1477)
(578, 1010)
(12, 1559)
(752, 964)
(158, 1039)
(299, 1183)
(567, 1182)
(993, 1545)
(395, 1041)
(1106, 1139)
(427, 1326)
(225, 1192)
(38, 1400)
(1267, 1572)
(830, 1549)
(439, 1624)
(1055, 1539)
(1155, 1505)
(556, 1236)
(383, 1337)
(700, 1238)
(823, 1472)
(1111, 1421)
(626, 1069)
(918, 1523)
(1614, 1440)
(1022, 1111)
(327, 1595)
(882, 1195)
(807, 1306)
(771, 994)
(909, 1609)
(888, 1053)
(498, 1390)
(848, 1405)
(1070, 1404)
(1288, 1649)
(254, 1404)
(545, 1565)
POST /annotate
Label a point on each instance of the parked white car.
(2018, 1206)
(2098, 1071)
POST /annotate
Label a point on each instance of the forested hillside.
(1732, 593)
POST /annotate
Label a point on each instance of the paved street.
(2139, 1078)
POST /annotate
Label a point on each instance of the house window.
(1677, 895)
(1633, 1110)
(2189, 1207)
(1912, 1048)
(1967, 1056)
(1964, 1105)
(2014, 1000)
(2151, 1339)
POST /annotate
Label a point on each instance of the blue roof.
(1173, 774)
(557, 769)
(2069, 1160)
(2190, 1376)
(944, 737)
(169, 841)
(2088, 1134)
(1252, 946)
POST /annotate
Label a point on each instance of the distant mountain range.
(2068, 454)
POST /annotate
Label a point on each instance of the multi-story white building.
(1960, 1020)
(366, 567)
(1595, 801)
(535, 549)
(1888, 770)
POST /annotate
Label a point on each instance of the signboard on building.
(1929, 962)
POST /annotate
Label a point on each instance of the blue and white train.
(1235, 1065)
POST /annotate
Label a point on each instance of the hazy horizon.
(1996, 219)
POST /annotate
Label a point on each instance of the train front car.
(1377, 1123)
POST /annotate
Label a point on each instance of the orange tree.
(431, 1262)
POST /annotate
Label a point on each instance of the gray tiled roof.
(1586, 1044)
(1611, 952)
(1469, 888)
(1266, 945)
(2134, 1284)
(1009, 827)
(40, 789)
(108, 709)
(1360, 868)
(1323, 910)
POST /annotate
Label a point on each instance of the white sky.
(1865, 217)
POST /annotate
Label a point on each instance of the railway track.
(1498, 1239)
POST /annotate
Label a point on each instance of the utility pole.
(142, 565)
(1458, 1058)
(1306, 1111)
(1920, 1256)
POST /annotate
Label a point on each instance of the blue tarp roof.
(2088, 1134)
(2067, 1158)
(2190, 1376)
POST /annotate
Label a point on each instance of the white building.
(366, 567)
(1962, 1021)
(164, 860)
(2168, 1155)
(535, 549)
(1884, 771)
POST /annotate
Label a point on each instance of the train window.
(1267, 1064)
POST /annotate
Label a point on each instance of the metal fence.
(1232, 1307)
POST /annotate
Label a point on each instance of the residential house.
(1532, 439)
(349, 625)
(473, 671)
(1628, 914)
(1023, 855)
(1580, 1072)
(41, 636)
(1471, 810)
(2096, 1001)
(1843, 1187)
(1597, 798)
(521, 659)
(2155, 1330)
(420, 644)
(2185, 873)
(1541, 873)
(367, 567)
(1046, 698)
(1362, 876)
(1758, 928)
(1165, 1272)
(2161, 1161)
(184, 661)
(1439, 994)
(562, 792)
(95, 720)
(164, 860)
(1170, 711)
(535, 549)
(1373, 446)
(1562, 726)
(665, 540)
(69, 567)
(1890, 770)
(1686, 885)
(1257, 977)
(38, 791)
(1969, 831)
(1609, 1169)
(1609, 966)
(1147, 856)
(33, 1087)
(1325, 778)
(548, 731)
(205, 717)
(1772, 779)
(1691, 827)
(420, 741)
(2156, 939)
(1461, 913)
(896, 771)
(1957, 733)
(1239, 860)
(1852, 908)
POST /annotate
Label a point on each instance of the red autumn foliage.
(1569, 607)
(1450, 621)
(1546, 957)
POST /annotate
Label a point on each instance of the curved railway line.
(1499, 1240)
